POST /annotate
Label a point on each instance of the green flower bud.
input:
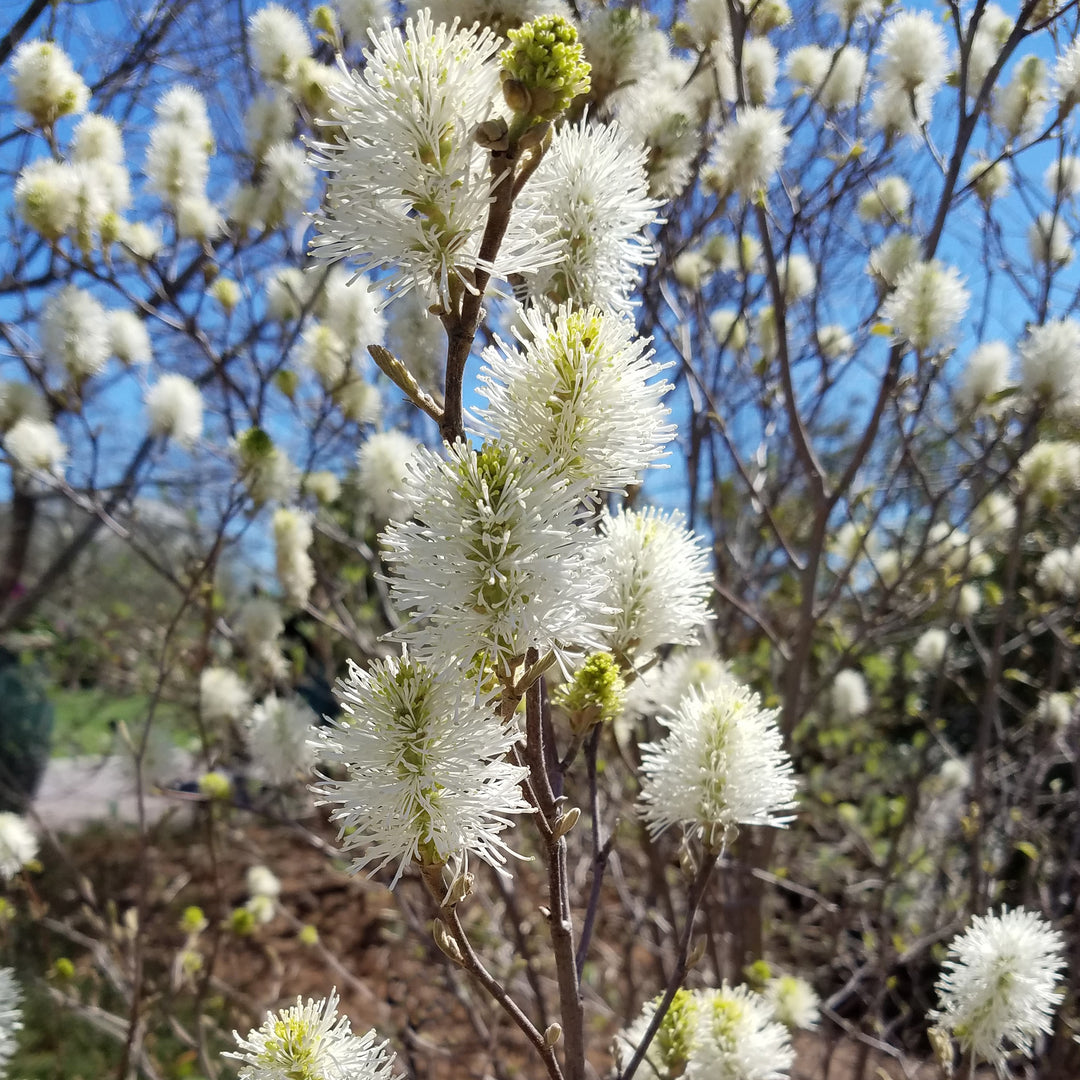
(596, 694)
(309, 935)
(544, 68)
(254, 445)
(226, 292)
(63, 968)
(242, 922)
(193, 921)
(215, 785)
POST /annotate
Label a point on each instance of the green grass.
(87, 720)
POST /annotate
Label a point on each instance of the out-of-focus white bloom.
(999, 985)
(287, 293)
(658, 582)
(710, 22)
(955, 774)
(493, 561)
(738, 1037)
(1056, 709)
(426, 772)
(279, 42)
(968, 601)
(927, 305)
(759, 68)
(798, 278)
(914, 54)
(675, 1041)
(691, 268)
(892, 257)
(129, 340)
(266, 469)
(896, 111)
(227, 292)
(986, 374)
(1067, 77)
(46, 85)
(351, 309)
(1062, 177)
(990, 35)
(287, 184)
(311, 1040)
(359, 16)
(142, 240)
(97, 138)
(582, 395)
(834, 341)
(590, 197)
(843, 85)
(1059, 572)
(197, 218)
(359, 401)
(11, 1021)
(994, 517)
(623, 47)
(269, 119)
(849, 695)
(409, 187)
(722, 764)
(1049, 240)
(383, 462)
(278, 737)
(75, 333)
(293, 536)
(849, 542)
(662, 688)
(175, 406)
(35, 445)
(324, 353)
(18, 847)
(418, 340)
(259, 622)
(807, 65)
(1021, 104)
(890, 200)
(47, 197)
(990, 179)
(176, 164)
(184, 107)
(262, 881)
(223, 697)
(18, 400)
(929, 651)
(765, 336)
(748, 152)
(325, 486)
(729, 329)
(1050, 468)
(1050, 364)
(849, 12)
(793, 1002)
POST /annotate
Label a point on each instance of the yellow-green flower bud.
(596, 694)
(242, 922)
(226, 292)
(544, 68)
(63, 968)
(215, 785)
(309, 935)
(254, 446)
(193, 921)
(675, 1038)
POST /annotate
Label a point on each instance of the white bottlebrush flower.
(657, 582)
(590, 198)
(691, 269)
(97, 139)
(927, 305)
(807, 65)
(999, 985)
(426, 775)
(930, 649)
(223, 697)
(581, 395)
(1050, 364)
(18, 846)
(279, 42)
(849, 12)
(1049, 240)
(293, 536)
(35, 445)
(748, 152)
(47, 197)
(286, 186)
(493, 561)
(383, 461)
(75, 333)
(175, 406)
(351, 309)
(18, 400)
(1066, 77)
(843, 86)
(675, 1040)
(793, 1001)
(262, 881)
(309, 1039)
(849, 695)
(359, 401)
(623, 46)
(890, 200)
(409, 187)
(892, 257)
(722, 764)
(129, 340)
(46, 85)
(1059, 572)
(322, 351)
(895, 111)
(177, 165)
(798, 277)
(184, 107)
(986, 374)
(359, 16)
(1021, 104)
(759, 69)
(265, 468)
(990, 179)
(661, 688)
(142, 241)
(324, 485)
(738, 1038)
(729, 329)
(288, 292)
(278, 737)
(269, 119)
(198, 218)
(11, 1021)
(913, 52)
(1062, 177)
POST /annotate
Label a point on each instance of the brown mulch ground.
(387, 970)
